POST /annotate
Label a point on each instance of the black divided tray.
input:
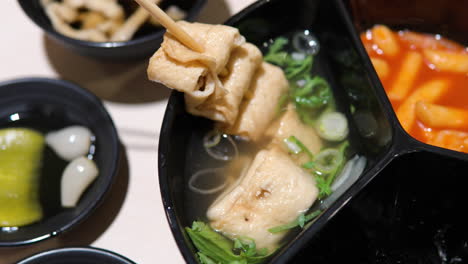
(407, 207)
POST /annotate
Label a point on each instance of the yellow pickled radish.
(20, 161)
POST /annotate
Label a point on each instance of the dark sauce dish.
(142, 45)
(76, 255)
(47, 105)
(383, 202)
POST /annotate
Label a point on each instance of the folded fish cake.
(273, 192)
(289, 124)
(195, 74)
(240, 70)
(259, 107)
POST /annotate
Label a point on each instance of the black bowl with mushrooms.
(116, 30)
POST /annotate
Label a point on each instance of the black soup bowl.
(76, 255)
(342, 61)
(145, 41)
(48, 105)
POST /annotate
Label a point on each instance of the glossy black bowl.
(144, 43)
(76, 255)
(51, 104)
(344, 62)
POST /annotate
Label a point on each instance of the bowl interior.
(339, 61)
(145, 41)
(54, 104)
(76, 255)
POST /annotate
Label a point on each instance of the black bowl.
(76, 255)
(48, 104)
(344, 62)
(144, 43)
(411, 212)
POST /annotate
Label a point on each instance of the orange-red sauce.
(456, 95)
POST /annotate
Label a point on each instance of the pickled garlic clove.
(76, 177)
(71, 142)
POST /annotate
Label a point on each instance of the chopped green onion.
(212, 139)
(308, 165)
(332, 126)
(323, 186)
(342, 150)
(219, 149)
(328, 163)
(275, 55)
(328, 160)
(296, 146)
(292, 146)
(301, 220)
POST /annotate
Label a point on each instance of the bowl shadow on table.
(214, 12)
(90, 229)
(120, 82)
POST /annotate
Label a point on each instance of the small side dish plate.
(41, 103)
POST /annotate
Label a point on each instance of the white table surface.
(131, 221)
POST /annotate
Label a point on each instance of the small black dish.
(144, 43)
(76, 255)
(49, 104)
(344, 62)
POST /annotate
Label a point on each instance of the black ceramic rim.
(402, 144)
(64, 252)
(113, 138)
(191, 14)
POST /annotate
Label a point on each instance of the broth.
(230, 172)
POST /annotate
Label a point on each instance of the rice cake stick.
(428, 92)
(447, 61)
(451, 139)
(381, 67)
(385, 40)
(438, 116)
(409, 70)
